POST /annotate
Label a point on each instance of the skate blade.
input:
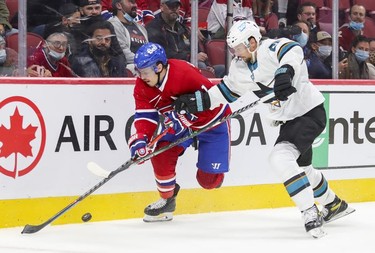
(347, 211)
(159, 218)
(317, 233)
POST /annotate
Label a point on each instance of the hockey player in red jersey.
(159, 83)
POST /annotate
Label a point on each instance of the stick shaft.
(29, 229)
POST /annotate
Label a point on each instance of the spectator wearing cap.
(98, 58)
(357, 58)
(49, 58)
(8, 60)
(316, 58)
(90, 14)
(349, 31)
(129, 33)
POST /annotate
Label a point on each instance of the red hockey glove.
(138, 145)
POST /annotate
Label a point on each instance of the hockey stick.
(30, 229)
(99, 171)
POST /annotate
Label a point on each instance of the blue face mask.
(361, 55)
(301, 38)
(356, 25)
(128, 17)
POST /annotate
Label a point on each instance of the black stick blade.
(31, 229)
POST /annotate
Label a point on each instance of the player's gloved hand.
(283, 82)
(192, 103)
(138, 145)
(178, 122)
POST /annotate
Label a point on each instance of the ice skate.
(335, 210)
(313, 222)
(161, 210)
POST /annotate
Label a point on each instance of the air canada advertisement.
(49, 133)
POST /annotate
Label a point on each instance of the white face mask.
(56, 55)
(3, 56)
(324, 51)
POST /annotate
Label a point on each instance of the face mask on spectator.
(324, 51)
(56, 55)
(356, 25)
(301, 38)
(3, 55)
(128, 17)
(361, 55)
(372, 57)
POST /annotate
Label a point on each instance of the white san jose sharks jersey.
(258, 77)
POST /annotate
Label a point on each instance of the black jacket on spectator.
(85, 65)
(175, 42)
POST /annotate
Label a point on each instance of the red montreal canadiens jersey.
(181, 78)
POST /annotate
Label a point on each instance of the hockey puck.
(86, 217)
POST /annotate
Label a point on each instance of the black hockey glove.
(192, 103)
(283, 82)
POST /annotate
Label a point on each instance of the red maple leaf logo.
(16, 139)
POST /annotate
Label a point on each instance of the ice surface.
(264, 230)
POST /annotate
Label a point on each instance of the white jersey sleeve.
(259, 77)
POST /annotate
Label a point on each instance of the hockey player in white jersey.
(263, 66)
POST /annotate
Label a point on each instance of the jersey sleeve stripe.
(227, 93)
(284, 49)
(152, 117)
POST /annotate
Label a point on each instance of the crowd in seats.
(136, 22)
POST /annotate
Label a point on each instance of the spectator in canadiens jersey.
(49, 58)
(263, 66)
(160, 81)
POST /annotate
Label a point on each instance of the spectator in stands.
(50, 57)
(98, 58)
(371, 59)
(147, 9)
(303, 37)
(172, 35)
(358, 55)
(107, 11)
(321, 49)
(282, 7)
(263, 15)
(307, 12)
(69, 17)
(354, 28)
(4, 15)
(130, 34)
(8, 60)
(216, 20)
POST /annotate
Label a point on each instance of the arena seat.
(343, 4)
(369, 30)
(215, 50)
(33, 40)
(368, 4)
